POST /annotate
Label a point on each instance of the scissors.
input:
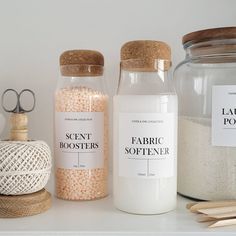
(19, 107)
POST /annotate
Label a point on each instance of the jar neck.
(144, 83)
(215, 51)
(81, 70)
(92, 82)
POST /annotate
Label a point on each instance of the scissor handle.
(3, 99)
(18, 108)
(34, 100)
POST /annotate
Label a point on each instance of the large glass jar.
(145, 130)
(206, 88)
(81, 127)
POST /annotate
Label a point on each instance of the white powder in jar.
(83, 184)
(204, 171)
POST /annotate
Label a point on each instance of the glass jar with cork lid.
(145, 130)
(206, 87)
(81, 127)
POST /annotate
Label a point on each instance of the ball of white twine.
(25, 167)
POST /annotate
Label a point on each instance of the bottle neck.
(144, 83)
(214, 51)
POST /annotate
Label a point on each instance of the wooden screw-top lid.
(81, 63)
(143, 55)
(210, 34)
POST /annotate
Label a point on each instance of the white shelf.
(101, 218)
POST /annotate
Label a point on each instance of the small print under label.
(224, 115)
(146, 145)
(79, 138)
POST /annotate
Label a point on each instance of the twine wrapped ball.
(25, 166)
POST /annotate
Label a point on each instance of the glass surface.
(86, 177)
(210, 170)
(144, 92)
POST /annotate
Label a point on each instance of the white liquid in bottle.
(146, 194)
(145, 131)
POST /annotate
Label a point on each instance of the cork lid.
(145, 55)
(210, 34)
(81, 63)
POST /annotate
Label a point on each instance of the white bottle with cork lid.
(81, 127)
(145, 130)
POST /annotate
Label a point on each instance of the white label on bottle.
(79, 138)
(146, 145)
(224, 115)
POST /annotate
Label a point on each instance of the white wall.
(34, 33)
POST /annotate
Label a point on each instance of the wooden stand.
(24, 205)
(12, 206)
(19, 129)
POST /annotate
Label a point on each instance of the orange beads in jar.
(81, 127)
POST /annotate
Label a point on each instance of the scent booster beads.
(81, 127)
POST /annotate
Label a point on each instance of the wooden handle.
(218, 210)
(219, 213)
(190, 205)
(222, 223)
(19, 129)
(195, 207)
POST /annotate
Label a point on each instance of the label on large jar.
(79, 140)
(224, 115)
(146, 145)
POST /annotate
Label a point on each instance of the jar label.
(146, 145)
(79, 140)
(224, 115)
